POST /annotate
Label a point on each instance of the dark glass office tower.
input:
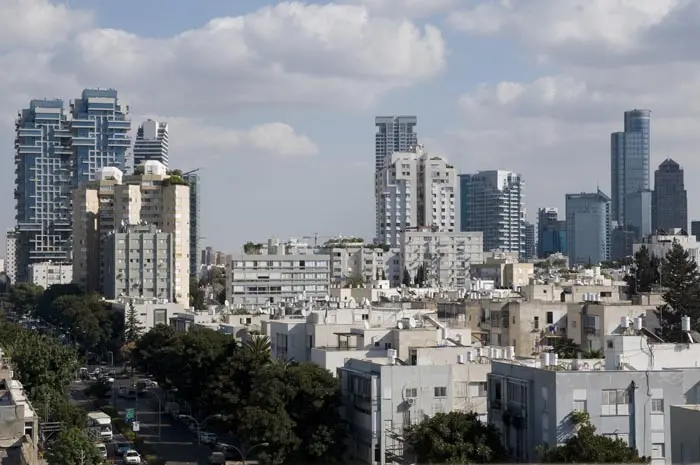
(670, 200)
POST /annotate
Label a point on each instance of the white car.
(207, 438)
(132, 458)
(102, 450)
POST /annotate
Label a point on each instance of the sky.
(275, 101)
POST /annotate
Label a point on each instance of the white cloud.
(409, 8)
(608, 57)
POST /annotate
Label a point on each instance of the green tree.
(682, 297)
(588, 447)
(455, 438)
(645, 272)
(197, 296)
(133, 329)
(71, 447)
(406, 279)
(23, 297)
(259, 346)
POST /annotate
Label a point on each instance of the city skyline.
(544, 110)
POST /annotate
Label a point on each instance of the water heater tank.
(685, 323)
(624, 322)
(638, 323)
(460, 359)
(544, 359)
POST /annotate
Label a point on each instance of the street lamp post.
(112, 375)
(244, 455)
(200, 424)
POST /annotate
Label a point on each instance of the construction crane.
(191, 172)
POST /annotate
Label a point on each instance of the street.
(176, 444)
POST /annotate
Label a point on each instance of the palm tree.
(259, 346)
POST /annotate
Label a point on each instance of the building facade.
(660, 244)
(353, 261)
(492, 202)
(394, 134)
(695, 229)
(151, 142)
(47, 274)
(530, 241)
(629, 161)
(254, 281)
(551, 233)
(443, 258)
(416, 190)
(588, 228)
(113, 200)
(42, 184)
(139, 263)
(639, 212)
(11, 255)
(193, 179)
(670, 202)
(100, 127)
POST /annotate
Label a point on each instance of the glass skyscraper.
(630, 151)
(588, 228)
(42, 184)
(100, 133)
(670, 199)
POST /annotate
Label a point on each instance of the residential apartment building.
(628, 395)
(670, 202)
(139, 262)
(630, 151)
(415, 190)
(254, 281)
(42, 184)
(354, 262)
(151, 142)
(443, 258)
(99, 127)
(551, 233)
(11, 255)
(530, 241)
(152, 197)
(660, 244)
(394, 134)
(47, 274)
(150, 312)
(192, 179)
(493, 203)
(588, 227)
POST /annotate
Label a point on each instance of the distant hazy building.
(639, 206)
(629, 161)
(139, 263)
(695, 229)
(551, 233)
(588, 227)
(493, 202)
(416, 190)
(670, 203)
(151, 142)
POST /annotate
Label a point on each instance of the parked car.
(102, 450)
(217, 458)
(207, 438)
(123, 448)
(132, 458)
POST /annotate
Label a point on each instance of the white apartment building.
(661, 244)
(354, 260)
(152, 197)
(149, 312)
(444, 257)
(11, 255)
(139, 263)
(628, 395)
(254, 281)
(151, 143)
(415, 189)
(47, 274)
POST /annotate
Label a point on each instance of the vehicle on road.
(207, 438)
(100, 424)
(217, 458)
(101, 449)
(132, 458)
(127, 393)
(122, 448)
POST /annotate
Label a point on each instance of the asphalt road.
(176, 444)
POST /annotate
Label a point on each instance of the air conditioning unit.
(410, 400)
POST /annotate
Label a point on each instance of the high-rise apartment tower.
(151, 142)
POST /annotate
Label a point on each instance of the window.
(579, 406)
(658, 450)
(657, 406)
(537, 322)
(411, 393)
(615, 402)
(550, 318)
(477, 389)
(440, 391)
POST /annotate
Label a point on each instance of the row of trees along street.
(45, 367)
(293, 407)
